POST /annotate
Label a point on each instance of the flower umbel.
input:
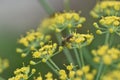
(106, 8)
(62, 21)
(106, 55)
(109, 24)
(46, 51)
(32, 41)
(79, 40)
(23, 73)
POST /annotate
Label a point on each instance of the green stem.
(107, 38)
(77, 57)
(56, 67)
(88, 57)
(52, 68)
(99, 71)
(65, 50)
(55, 53)
(82, 61)
(28, 77)
(59, 38)
(45, 5)
(51, 61)
(67, 5)
(81, 57)
(111, 39)
(68, 55)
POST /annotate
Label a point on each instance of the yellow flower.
(89, 76)
(39, 77)
(32, 62)
(107, 60)
(63, 74)
(22, 73)
(109, 24)
(4, 63)
(86, 69)
(49, 76)
(36, 54)
(31, 42)
(106, 54)
(62, 21)
(69, 74)
(78, 40)
(79, 72)
(110, 21)
(106, 8)
(70, 67)
(112, 75)
(46, 51)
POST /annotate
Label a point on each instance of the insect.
(66, 39)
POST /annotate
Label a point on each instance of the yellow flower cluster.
(32, 41)
(62, 21)
(106, 8)
(30, 37)
(47, 51)
(79, 40)
(3, 64)
(22, 73)
(80, 74)
(110, 24)
(112, 75)
(110, 21)
(48, 76)
(106, 55)
(70, 74)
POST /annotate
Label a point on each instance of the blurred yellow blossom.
(106, 8)
(106, 55)
(4, 63)
(22, 73)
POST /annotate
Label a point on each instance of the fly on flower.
(66, 39)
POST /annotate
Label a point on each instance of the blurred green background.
(17, 17)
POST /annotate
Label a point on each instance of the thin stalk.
(88, 57)
(51, 61)
(56, 67)
(46, 6)
(48, 58)
(59, 38)
(55, 53)
(81, 57)
(82, 60)
(68, 55)
(65, 50)
(67, 5)
(107, 38)
(111, 39)
(99, 71)
(52, 68)
(30, 76)
(77, 57)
